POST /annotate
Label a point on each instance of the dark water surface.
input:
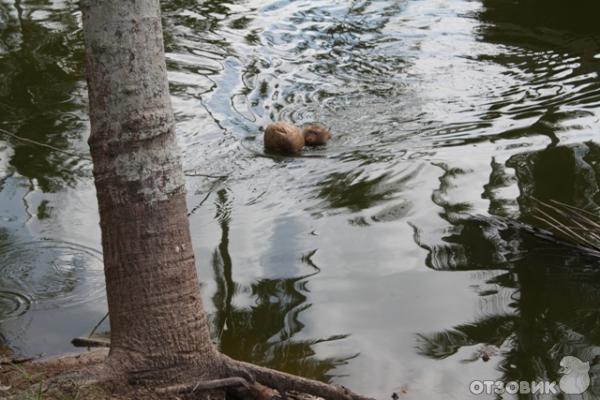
(383, 261)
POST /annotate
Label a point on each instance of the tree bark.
(159, 330)
(156, 315)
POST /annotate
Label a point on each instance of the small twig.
(90, 342)
(210, 191)
(556, 224)
(580, 216)
(562, 228)
(223, 329)
(575, 225)
(98, 325)
(193, 173)
(40, 144)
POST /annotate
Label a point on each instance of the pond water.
(388, 261)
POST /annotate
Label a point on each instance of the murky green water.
(383, 261)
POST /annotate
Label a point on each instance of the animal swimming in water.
(315, 135)
(288, 138)
(283, 137)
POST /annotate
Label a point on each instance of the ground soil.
(33, 379)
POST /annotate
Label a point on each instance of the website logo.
(575, 380)
(576, 377)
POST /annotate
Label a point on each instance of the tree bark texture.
(156, 315)
(159, 330)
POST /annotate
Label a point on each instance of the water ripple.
(13, 304)
(48, 274)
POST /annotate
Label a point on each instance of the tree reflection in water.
(555, 307)
(264, 332)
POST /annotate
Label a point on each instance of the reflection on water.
(41, 90)
(396, 259)
(555, 289)
(265, 333)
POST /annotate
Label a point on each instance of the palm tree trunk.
(156, 315)
(159, 330)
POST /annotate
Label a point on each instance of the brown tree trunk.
(156, 315)
(159, 331)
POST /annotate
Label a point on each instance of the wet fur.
(283, 137)
(287, 138)
(315, 135)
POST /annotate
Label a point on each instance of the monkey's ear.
(310, 137)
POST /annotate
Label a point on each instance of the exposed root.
(204, 385)
(243, 389)
(262, 392)
(284, 382)
(249, 381)
(239, 379)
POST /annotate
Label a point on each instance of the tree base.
(90, 371)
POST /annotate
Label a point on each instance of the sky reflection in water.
(449, 118)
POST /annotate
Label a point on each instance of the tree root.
(243, 388)
(204, 385)
(284, 382)
(240, 379)
(252, 381)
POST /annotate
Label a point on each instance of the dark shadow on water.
(573, 16)
(555, 289)
(41, 93)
